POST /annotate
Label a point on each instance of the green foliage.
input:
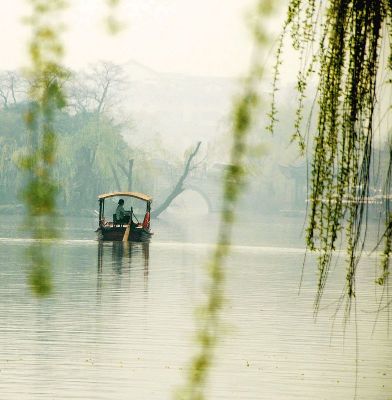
(41, 275)
(209, 327)
(82, 169)
(343, 41)
(113, 24)
(46, 97)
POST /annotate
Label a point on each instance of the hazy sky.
(200, 37)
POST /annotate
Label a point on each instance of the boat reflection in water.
(123, 258)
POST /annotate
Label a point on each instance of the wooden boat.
(133, 230)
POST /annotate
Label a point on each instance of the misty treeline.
(92, 154)
(96, 142)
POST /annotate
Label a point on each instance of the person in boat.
(122, 215)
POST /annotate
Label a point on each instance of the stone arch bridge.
(207, 183)
(208, 187)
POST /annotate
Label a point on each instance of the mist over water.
(120, 321)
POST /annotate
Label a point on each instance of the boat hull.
(116, 233)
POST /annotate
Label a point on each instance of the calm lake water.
(119, 324)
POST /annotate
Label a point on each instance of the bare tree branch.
(98, 89)
(11, 85)
(178, 189)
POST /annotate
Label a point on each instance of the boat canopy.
(136, 195)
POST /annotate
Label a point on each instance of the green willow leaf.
(341, 40)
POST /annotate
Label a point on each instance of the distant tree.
(179, 187)
(96, 94)
(97, 90)
(85, 154)
(13, 144)
(12, 88)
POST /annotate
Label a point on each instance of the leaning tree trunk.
(128, 173)
(178, 189)
(115, 176)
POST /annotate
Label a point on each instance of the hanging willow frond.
(112, 22)
(342, 39)
(46, 97)
(245, 109)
